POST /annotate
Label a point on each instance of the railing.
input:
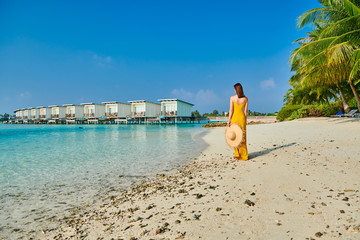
(18, 118)
(54, 115)
(138, 114)
(169, 113)
(114, 114)
(69, 115)
(87, 115)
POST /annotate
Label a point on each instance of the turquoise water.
(47, 169)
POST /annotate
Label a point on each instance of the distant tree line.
(5, 117)
(215, 113)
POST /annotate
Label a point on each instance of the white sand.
(301, 175)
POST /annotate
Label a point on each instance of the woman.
(238, 114)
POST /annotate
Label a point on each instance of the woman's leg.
(236, 154)
(243, 153)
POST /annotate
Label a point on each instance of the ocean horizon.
(48, 170)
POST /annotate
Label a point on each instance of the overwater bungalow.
(26, 114)
(93, 110)
(35, 114)
(44, 113)
(73, 112)
(57, 112)
(115, 110)
(137, 111)
(144, 109)
(175, 108)
(18, 115)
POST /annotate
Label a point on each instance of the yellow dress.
(239, 118)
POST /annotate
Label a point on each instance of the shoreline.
(281, 192)
(43, 207)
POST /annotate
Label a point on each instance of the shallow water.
(47, 170)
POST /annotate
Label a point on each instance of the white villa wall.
(88, 109)
(111, 108)
(97, 109)
(137, 108)
(27, 113)
(149, 109)
(17, 114)
(168, 107)
(79, 112)
(76, 111)
(183, 109)
(45, 111)
(152, 109)
(22, 113)
(35, 112)
(70, 110)
(61, 111)
(122, 109)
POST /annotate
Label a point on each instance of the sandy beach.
(301, 182)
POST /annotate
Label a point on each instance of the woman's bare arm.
(246, 108)
(231, 111)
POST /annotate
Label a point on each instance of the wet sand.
(301, 182)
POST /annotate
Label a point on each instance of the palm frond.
(309, 48)
(355, 59)
(345, 25)
(323, 13)
(340, 53)
(349, 6)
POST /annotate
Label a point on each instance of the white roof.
(173, 100)
(142, 101)
(91, 104)
(114, 102)
(66, 105)
(55, 106)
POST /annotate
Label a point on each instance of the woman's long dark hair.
(239, 90)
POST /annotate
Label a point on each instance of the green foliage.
(330, 110)
(195, 114)
(291, 112)
(254, 113)
(352, 103)
(4, 117)
(327, 60)
(286, 111)
(214, 113)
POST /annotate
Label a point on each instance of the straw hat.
(234, 135)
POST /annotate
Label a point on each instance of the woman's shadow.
(266, 151)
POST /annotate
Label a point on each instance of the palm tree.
(331, 53)
(313, 78)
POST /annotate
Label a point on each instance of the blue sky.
(58, 52)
